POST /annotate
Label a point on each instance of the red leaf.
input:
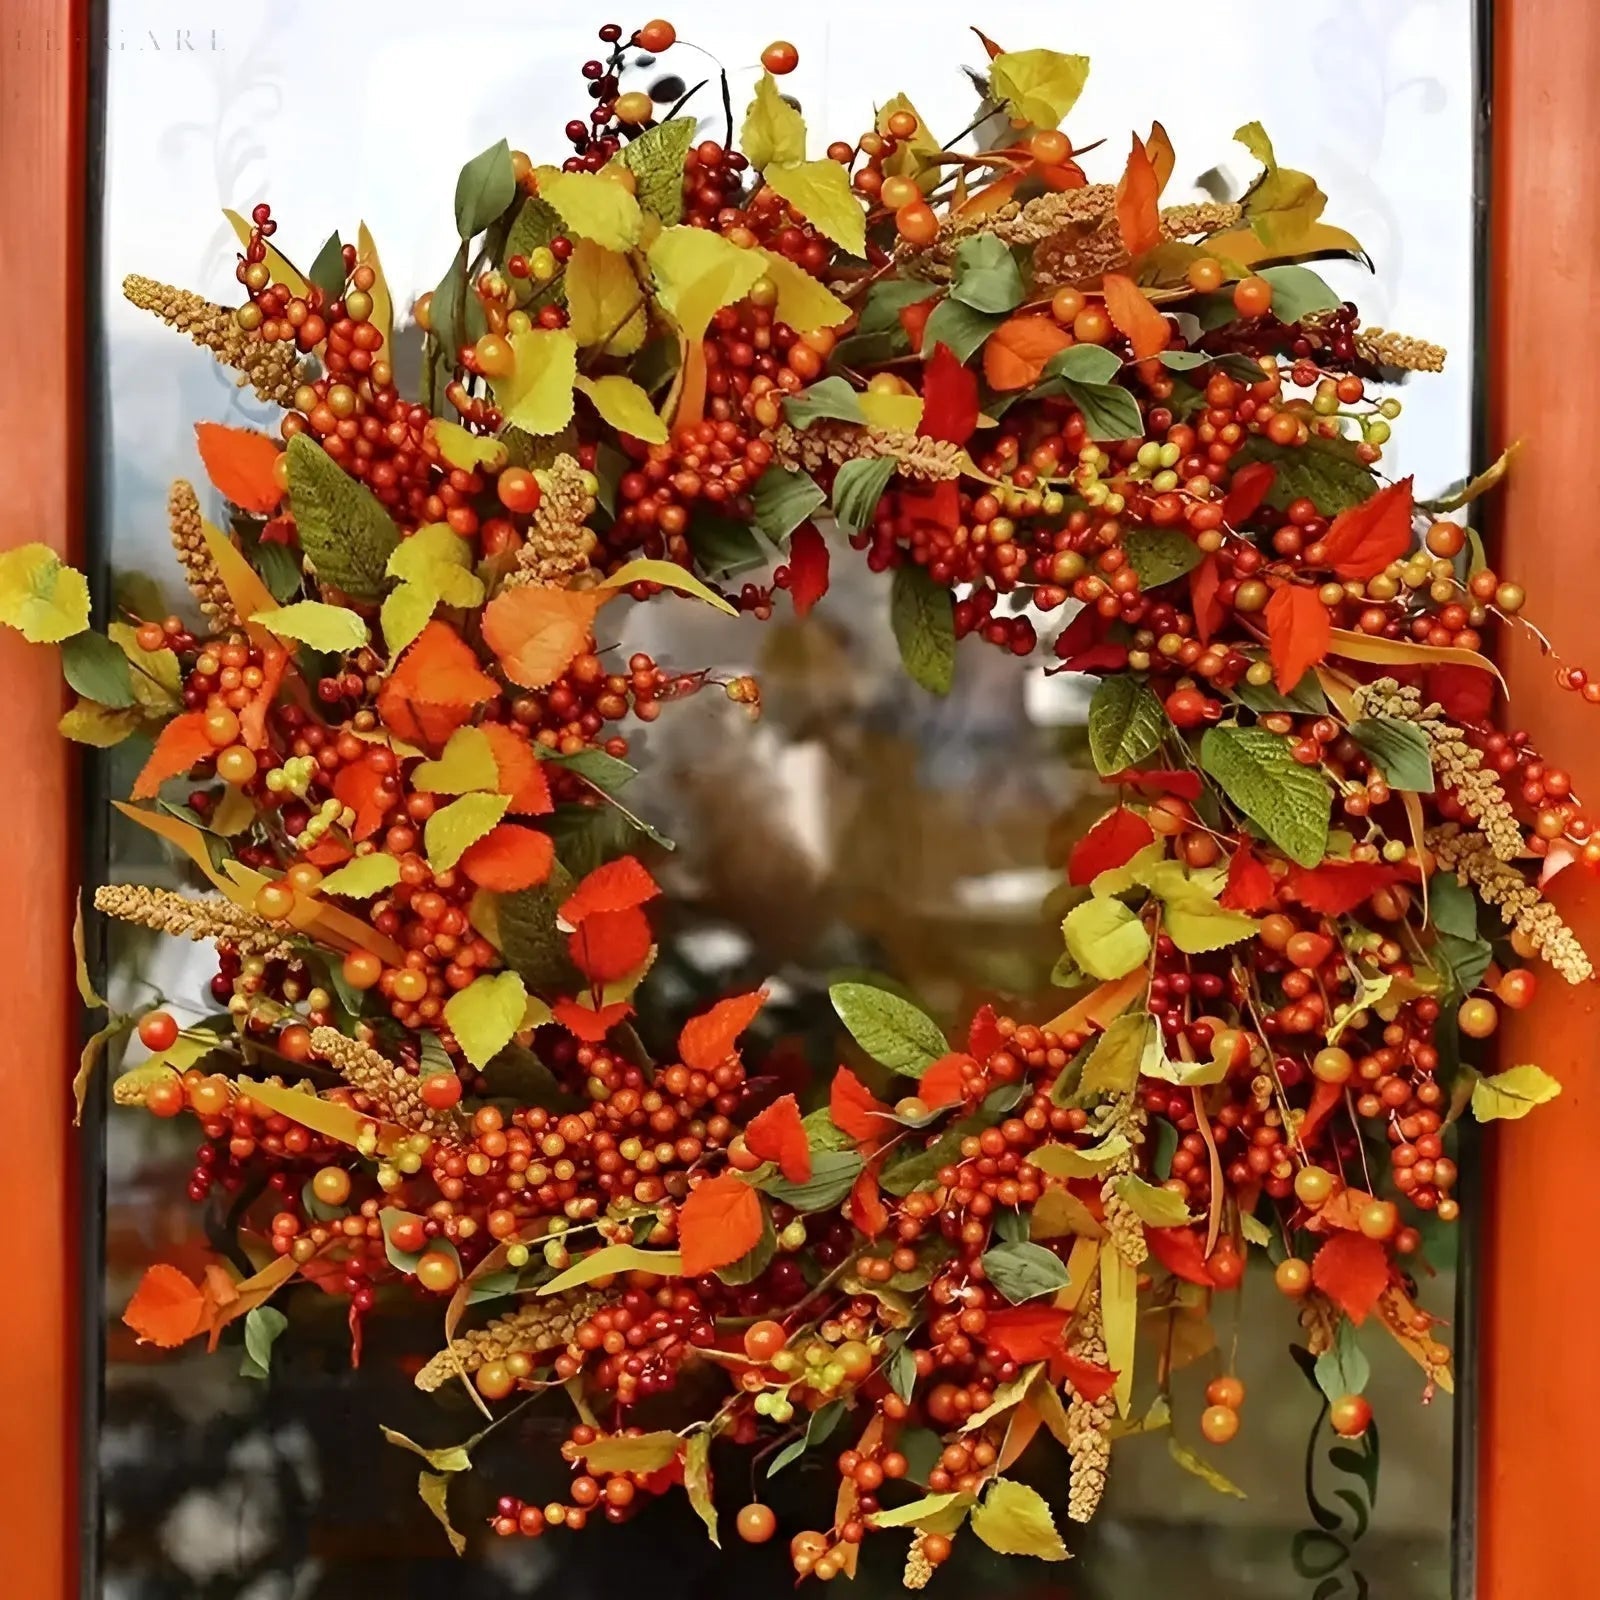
(914, 318)
(1250, 886)
(1016, 353)
(1209, 612)
(854, 1109)
(1326, 1098)
(1132, 314)
(1299, 631)
(434, 688)
(1466, 693)
(590, 1026)
(1337, 886)
(865, 1205)
(610, 944)
(522, 774)
(1115, 838)
(619, 885)
(983, 1033)
(1352, 1270)
(720, 1221)
(240, 462)
(1091, 1380)
(1186, 785)
(1250, 485)
(777, 1134)
(1083, 645)
(1182, 1252)
(808, 568)
(1027, 1333)
(943, 1083)
(1366, 538)
(253, 719)
(166, 1308)
(509, 857)
(707, 1040)
(182, 743)
(1138, 214)
(367, 793)
(949, 398)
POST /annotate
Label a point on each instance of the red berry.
(158, 1030)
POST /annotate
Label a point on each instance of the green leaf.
(886, 299)
(1158, 1207)
(823, 1421)
(1083, 363)
(1113, 1064)
(1109, 411)
(830, 400)
(1196, 923)
(922, 1513)
(1014, 1519)
(902, 1373)
(334, 630)
(1306, 698)
(1159, 555)
(857, 488)
(915, 1167)
(1290, 803)
(279, 568)
(833, 1172)
(1325, 471)
(1342, 1368)
(262, 1325)
(1024, 1271)
(922, 614)
(1126, 724)
(1105, 938)
(986, 275)
(723, 546)
(784, 499)
(485, 1014)
(484, 189)
(891, 1030)
(97, 669)
(1512, 1094)
(773, 130)
(1452, 906)
(1297, 292)
(1206, 1473)
(327, 271)
(655, 159)
(345, 532)
(537, 222)
(1462, 962)
(1401, 750)
(959, 327)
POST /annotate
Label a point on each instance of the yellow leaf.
(622, 403)
(1151, 1204)
(804, 303)
(465, 764)
(382, 317)
(610, 1260)
(697, 1481)
(1512, 1093)
(820, 191)
(698, 272)
(592, 207)
(248, 595)
(80, 961)
(278, 264)
(1203, 1470)
(1068, 1161)
(1119, 1311)
(910, 155)
(1038, 86)
(485, 1014)
(1015, 1521)
(917, 1513)
(363, 877)
(405, 614)
(157, 677)
(636, 1452)
(43, 598)
(334, 629)
(434, 1488)
(327, 1117)
(537, 395)
(1480, 485)
(95, 1047)
(192, 842)
(451, 1458)
(466, 450)
(1405, 652)
(898, 411)
(773, 130)
(453, 829)
(233, 813)
(1058, 1214)
(1197, 924)
(604, 301)
(1105, 938)
(439, 562)
(90, 723)
(670, 576)
(1156, 1063)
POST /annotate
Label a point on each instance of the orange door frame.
(43, 142)
(1540, 1395)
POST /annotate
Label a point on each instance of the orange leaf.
(854, 1109)
(183, 742)
(1352, 1270)
(777, 1134)
(1016, 352)
(253, 719)
(865, 1205)
(522, 774)
(991, 197)
(1132, 314)
(616, 886)
(537, 632)
(1299, 630)
(1162, 157)
(240, 463)
(590, 1026)
(610, 944)
(1367, 537)
(943, 1084)
(914, 319)
(433, 689)
(1089, 1379)
(989, 45)
(1138, 215)
(166, 1308)
(707, 1040)
(367, 793)
(509, 857)
(720, 1221)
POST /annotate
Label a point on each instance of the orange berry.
(1293, 1277)
(1205, 275)
(756, 1523)
(917, 223)
(657, 35)
(780, 57)
(1349, 1416)
(1219, 1424)
(1252, 296)
(1477, 1017)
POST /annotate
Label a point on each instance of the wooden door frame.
(1539, 1386)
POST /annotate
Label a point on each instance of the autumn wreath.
(387, 737)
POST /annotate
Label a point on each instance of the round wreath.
(389, 743)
